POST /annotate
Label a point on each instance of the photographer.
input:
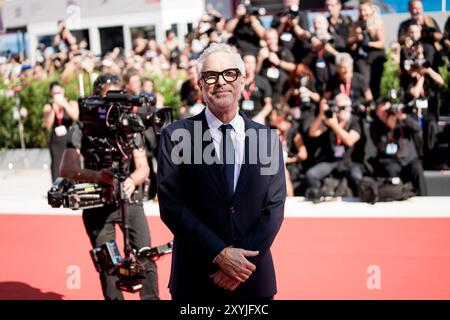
(418, 79)
(100, 222)
(59, 115)
(256, 101)
(414, 50)
(324, 48)
(339, 24)
(348, 82)
(246, 29)
(293, 27)
(337, 131)
(393, 133)
(431, 33)
(301, 96)
(366, 41)
(275, 63)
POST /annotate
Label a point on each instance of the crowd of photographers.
(318, 85)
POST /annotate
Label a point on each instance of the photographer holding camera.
(337, 131)
(348, 82)
(59, 114)
(394, 133)
(275, 63)
(98, 161)
(366, 41)
(246, 28)
(430, 33)
(339, 24)
(418, 79)
(324, 48)
(293, 27)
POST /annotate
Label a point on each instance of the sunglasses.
(229, 75)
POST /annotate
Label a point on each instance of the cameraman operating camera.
(100, 222)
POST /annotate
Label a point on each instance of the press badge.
(286, 37)
(339, 151)
(61, 131)
(321, 63)
(248, 105)
(422, 104)
(391, 148)
(273, 73)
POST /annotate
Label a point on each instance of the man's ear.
(199, 83)
(243, 82)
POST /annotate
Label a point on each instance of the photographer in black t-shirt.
(256, 100)
(324, 48)
(275, 63)
(393, 133)
(246, 29)
(337, 131)
(100, 222)
(292, 25)
(348, 82)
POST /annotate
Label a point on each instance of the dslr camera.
(252, 10)
(395, 97)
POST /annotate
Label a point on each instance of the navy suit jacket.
(204, 219)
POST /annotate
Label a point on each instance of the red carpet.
(319, 258)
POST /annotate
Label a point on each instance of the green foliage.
(390, 78)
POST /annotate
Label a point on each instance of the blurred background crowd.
(346, 103)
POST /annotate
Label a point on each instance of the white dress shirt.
(237, 136)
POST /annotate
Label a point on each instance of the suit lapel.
(214, 170)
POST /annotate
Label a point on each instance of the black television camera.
(114, 114)
(130, 270)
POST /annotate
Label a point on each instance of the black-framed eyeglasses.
(229, 75)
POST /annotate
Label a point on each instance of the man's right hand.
(233, 262)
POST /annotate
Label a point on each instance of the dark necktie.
(228, 156)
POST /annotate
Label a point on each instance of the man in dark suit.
(221, 190)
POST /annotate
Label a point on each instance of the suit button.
(232, 210)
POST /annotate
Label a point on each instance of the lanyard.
(338, 140)
(247, 94)
(59, 116)
(345, 88)
(392, 134)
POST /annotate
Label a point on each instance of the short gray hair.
(344, 99)
(219, 47)
(344, 57)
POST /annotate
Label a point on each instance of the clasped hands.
(234, 268)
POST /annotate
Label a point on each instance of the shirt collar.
(214, 123)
